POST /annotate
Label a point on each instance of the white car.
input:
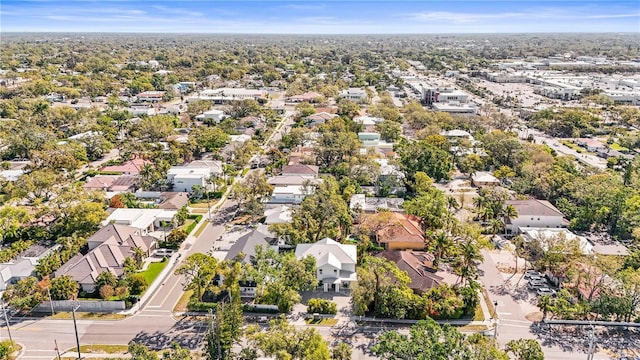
(532, 273)
(546, 291)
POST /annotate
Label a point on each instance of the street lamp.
(495, 325)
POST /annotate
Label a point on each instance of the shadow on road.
(188, 333)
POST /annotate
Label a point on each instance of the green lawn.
(101, 349)
(85, 315)
(153, 271)
(618, 147)
(200, 229)
(322, 322)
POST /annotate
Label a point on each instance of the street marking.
(154, 306)
(36, 350)
(504, 313)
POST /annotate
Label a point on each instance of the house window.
(335, 270)
(531, 219)
(320, 271)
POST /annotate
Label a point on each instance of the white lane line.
(504, 313)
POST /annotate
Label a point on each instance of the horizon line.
(316, 34)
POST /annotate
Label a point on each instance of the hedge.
(201, 306)
(196, 219)
(321, 306)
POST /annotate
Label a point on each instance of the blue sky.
(314, 17)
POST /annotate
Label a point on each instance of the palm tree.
(138, 256)
(509, 212)
(441, 245)
(146, 172)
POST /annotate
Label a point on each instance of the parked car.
(532, 273)
(536, 284)
(546, 291)
(536, 278)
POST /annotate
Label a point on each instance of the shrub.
(137, 284)
(106, 291)
(195, 305)
(121, 291)
(321, 306)
(7, 347)
(176, 237)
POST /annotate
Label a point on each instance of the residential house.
(592, 145)
(368, 123)
(308, 171)
(108, 249)
(546, 235)
(318, 119)
(215, 166)
(369, 138)
(360, 202)
(355, 94)
(112, 183)
(457, 135)
(211, 116)
(184, 178)
(403, 232)
(280, 214)
(164, 200)
(23, 266)
(150, 96)
(419, 267)
(292, 180)
(129, 167)
(145, 220)
(11, 174)
(534, 213)
(289, 194)
(483, 179)
(335, 262)
(308, 97)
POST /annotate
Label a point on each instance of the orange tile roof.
(403, 228)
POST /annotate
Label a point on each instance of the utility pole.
(75, 307)
(6, 319)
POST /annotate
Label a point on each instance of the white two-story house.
(534, 213)
(335, 262)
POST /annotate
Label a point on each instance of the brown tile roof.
(173, 200)
(300, 169)
(534, 207)
(129, 167)
(114, 244)
(402, 228)
(418, 265)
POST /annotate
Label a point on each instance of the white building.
(184, 178)
(548, 236)
(215, 115)
(624, 97)
(335, 262)
(355, 94)
(534, 214)
(145, 220)
(150, 96)
(288, 194)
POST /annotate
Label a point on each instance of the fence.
(95, 306)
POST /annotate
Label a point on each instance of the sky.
(319, 17)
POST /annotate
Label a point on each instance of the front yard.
(153, 271)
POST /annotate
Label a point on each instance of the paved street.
(515, 304)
